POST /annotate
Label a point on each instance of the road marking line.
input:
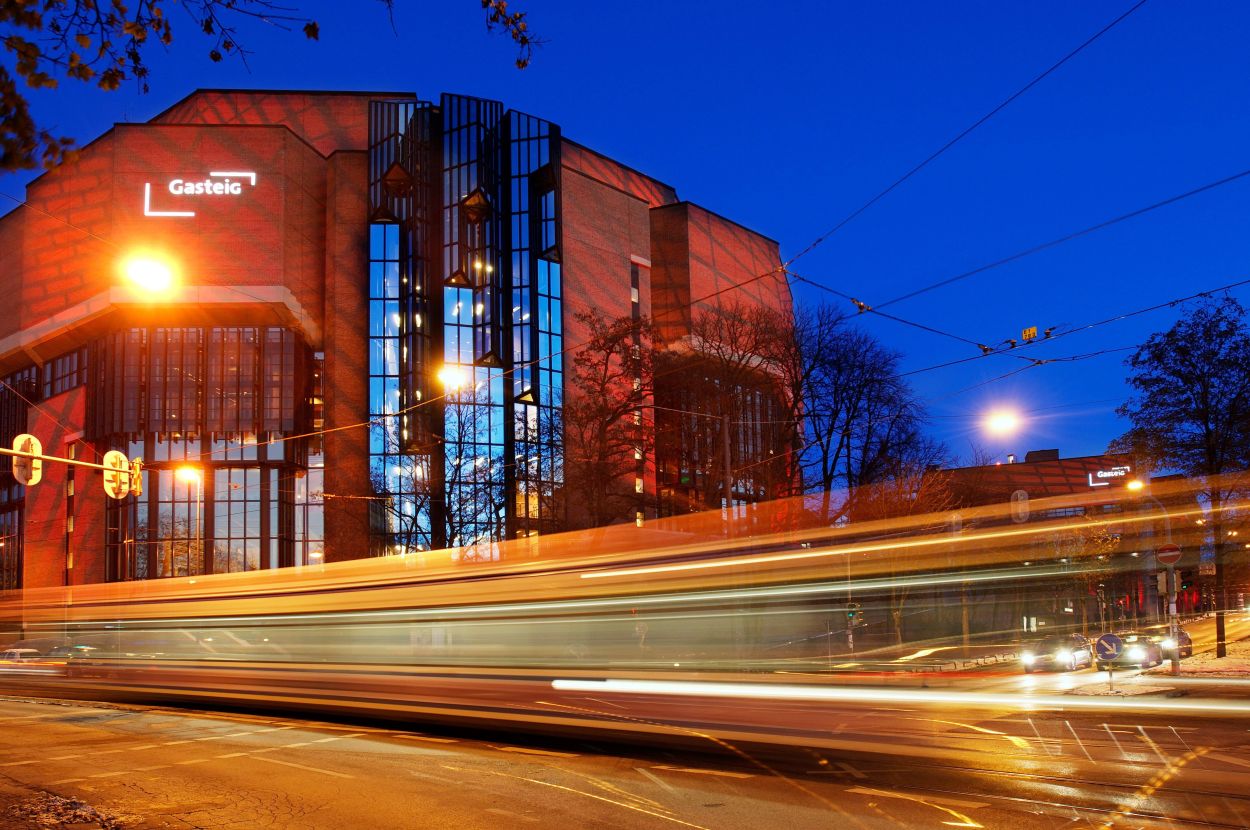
(24, 763)
(511, 814)
(65, 757)
(145, 746)
(721, 773)
(109, 774)
(924, 652)
(854, 772)
(67, 781)
(192, 761)
(1228, 759)
(657, 779)
(175, 743)
(309, 769)
(232, 755)
(528, 751)
(954, 802)
(149, 769)
(425, 738)
(339, 738)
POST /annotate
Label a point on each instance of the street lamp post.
(195, 476)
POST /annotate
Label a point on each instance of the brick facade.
(291, 250)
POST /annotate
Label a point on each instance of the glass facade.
(465, 395)
(218, 416)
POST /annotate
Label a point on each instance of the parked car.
(19, 655)
(1060, 652)
(1182, 646)
(1140, 651)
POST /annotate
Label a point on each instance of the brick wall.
(327, 121)
(347, 357)
(574, 156)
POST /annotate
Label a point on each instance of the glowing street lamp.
(1002, 422)
(149, 273)
(453, 377)
(1136, 485)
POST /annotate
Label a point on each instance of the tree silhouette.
(1191, 414)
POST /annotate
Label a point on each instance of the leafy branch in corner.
(104, 42)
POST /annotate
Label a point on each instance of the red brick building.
(367, 346)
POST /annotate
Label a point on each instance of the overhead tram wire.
(1087, 327)
(1036, 363)
(865, 308)
(1067, 238)
(967, 131)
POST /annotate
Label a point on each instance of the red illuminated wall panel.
(347, 359)
(576, 157)
(328, 121)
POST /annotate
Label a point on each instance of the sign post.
(1169, 555)
(1108, 647)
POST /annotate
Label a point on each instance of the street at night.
(508, 413)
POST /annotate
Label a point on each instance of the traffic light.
(853, 613)
(1187, 582)
(27, 470)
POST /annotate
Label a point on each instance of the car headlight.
(1169, 643)
(1028, 658)
(1137, 653)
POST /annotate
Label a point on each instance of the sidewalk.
(1206, 664)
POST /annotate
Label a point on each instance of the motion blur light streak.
(852, 622)
(761, 691)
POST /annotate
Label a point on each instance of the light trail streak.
(895, 544)
(438, 613)
(826, 694)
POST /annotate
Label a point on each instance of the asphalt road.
(144, 767)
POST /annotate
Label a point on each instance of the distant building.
(1115, 586)
(370, 351)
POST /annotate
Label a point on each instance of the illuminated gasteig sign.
(1103, 478)
(216, 184)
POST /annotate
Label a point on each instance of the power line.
(855, 213)
(864, 308)
(1036, 363)
(1066, 238)
(1087, 327)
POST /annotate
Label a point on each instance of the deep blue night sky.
(789, 115)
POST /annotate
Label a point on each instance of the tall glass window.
(399, 513)
(213, 412)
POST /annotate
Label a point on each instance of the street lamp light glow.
(149, 273)
(1002, 422)
(1135, 484)
(453, 377)
(188, 474)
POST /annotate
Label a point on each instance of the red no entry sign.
(1168, 554)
